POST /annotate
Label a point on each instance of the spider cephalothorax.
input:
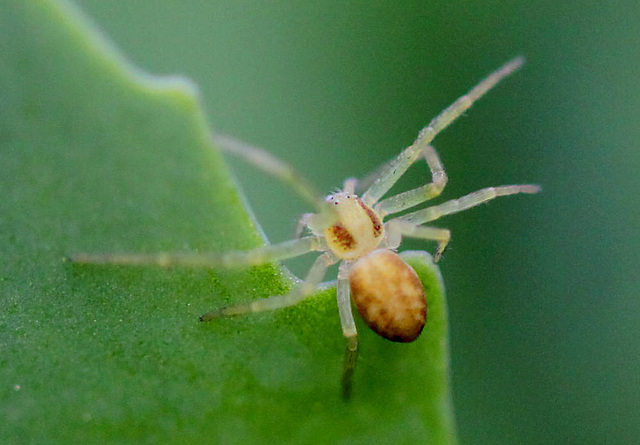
(358, 229)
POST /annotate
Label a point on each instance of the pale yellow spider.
(352, 229)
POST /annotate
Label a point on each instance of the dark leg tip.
(211, 315)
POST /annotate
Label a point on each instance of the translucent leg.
(304, 290)
(344, 304)
(399, 165)
(397, 229)
(365, 183)
(348, 328)
(261, 255)
(348, 368)
(389, 175)
(269, 164)
(464, 203)
(303, 223)
(408, 199)
(317, 222)
(349, 185)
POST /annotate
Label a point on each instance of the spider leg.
(410, 198)
(261, 255)
(396, 168)
(349, 366)
(397, 229)
(303, 223)
(348, 327)
(269, 164)
(349, 185)
(389, 174)
(344, 305)
(365, 183)
(466, 202)
(299, 293)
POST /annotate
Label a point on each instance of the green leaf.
(96, 156)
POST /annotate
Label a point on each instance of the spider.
(353, 230)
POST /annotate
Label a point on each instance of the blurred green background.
(543, 298)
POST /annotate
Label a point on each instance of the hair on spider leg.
(358, 232)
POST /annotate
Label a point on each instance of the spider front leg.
(301, 292)
(396, 168)
(269, 164)
(316, 223)
(408, 199)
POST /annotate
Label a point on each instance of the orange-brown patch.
(342, 237)
(375, 220)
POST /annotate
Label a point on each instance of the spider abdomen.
(389, 296)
